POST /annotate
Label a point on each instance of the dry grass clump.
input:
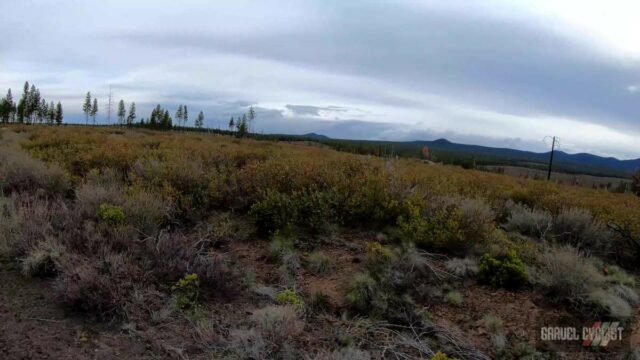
(495, 328)
(273, 329)
(348, 353)
(319, 263)
(529, 221)
(577, 227)
(571, 276)
(43, 259)
(462, 267)
(25, 222)
(568, 274)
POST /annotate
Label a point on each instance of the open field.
(141, 244)
(596, 182)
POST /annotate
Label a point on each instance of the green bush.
(276, 211)
(505, 270)
(280, 211)
(441, 356)
(454, 298)
(111, 214)
(450, 224)
(186, 292)
(289, 297)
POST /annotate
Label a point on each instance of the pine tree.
(231, 124)
(33, 104)
(241, 126)
(132, 114)
(86, 107)
(4, 111)
(155, 117)
(59, 115)
(122, 112)
(200, 120)
(43, 111)
(179, 115)
(21, 110)
(166, 120)
(9, 108)
(94, 110)
(185, 115)
(51, 116)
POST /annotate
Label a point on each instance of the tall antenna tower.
(109, 106)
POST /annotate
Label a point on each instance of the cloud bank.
(493, 72)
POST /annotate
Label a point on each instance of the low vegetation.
(254, 247)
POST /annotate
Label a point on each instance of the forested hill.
(468, 155)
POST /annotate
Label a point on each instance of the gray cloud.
(381, 70)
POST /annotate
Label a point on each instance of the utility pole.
(553, 145)
(109, 107)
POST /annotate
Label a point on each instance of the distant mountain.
(581, 162)
(316, 136)
(469, 155)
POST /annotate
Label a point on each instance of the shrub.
(280, 246)
(145, 211)
(25, 222)
(462, 267)
(84, 287)
(494, 327)
(224, 228)
(90, 196)
(616, 275)
(476, 219)
(529, 221)
(19, 172)
(276, 211)
(505, 270)
(608, 303)
(440, 356)
(289, 297)
(362, 291)
(320, 302)
(277, 324)
(450, 224)
(319, 263)
(378, 257)
(43, 259)
(627, 294)
(248, 344)
(578, 228)
(111, 214)
(186, 292)
(568, 274)
(454, 298)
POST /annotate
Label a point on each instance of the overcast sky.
(499, 73)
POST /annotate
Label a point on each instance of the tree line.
(243, 125)
(32, 108)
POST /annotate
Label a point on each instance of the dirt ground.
(33, 327)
